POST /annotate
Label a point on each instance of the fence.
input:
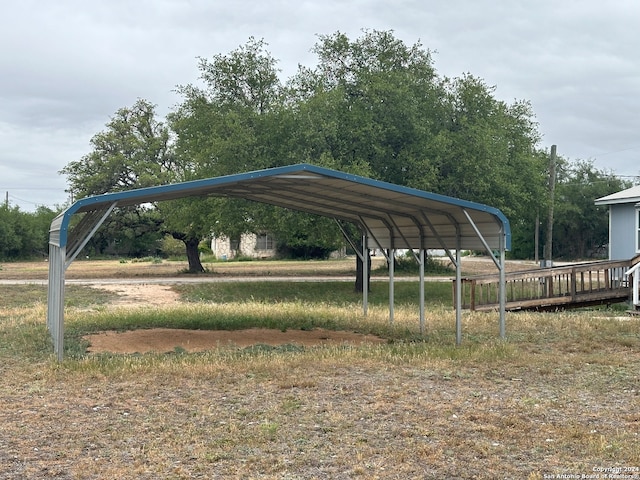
(554, 287)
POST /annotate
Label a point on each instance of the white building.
(249, 245)
(624, 223)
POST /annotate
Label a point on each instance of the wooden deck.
(568, 286)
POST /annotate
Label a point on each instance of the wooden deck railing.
(550, 288)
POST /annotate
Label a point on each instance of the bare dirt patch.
(162, 340)
(140, 294)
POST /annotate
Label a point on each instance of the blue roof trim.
(151, 192)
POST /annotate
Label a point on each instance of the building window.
(264, 241)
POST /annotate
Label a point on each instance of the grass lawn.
(560, 396)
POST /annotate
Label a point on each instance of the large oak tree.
(373, 105)
(134, 151)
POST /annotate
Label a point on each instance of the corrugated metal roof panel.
(397, 216)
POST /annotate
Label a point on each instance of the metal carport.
(389, 217)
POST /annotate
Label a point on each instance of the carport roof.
(392, 215)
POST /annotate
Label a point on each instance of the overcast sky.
(68, 65)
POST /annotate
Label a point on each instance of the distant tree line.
(372, 106)
(24, 235)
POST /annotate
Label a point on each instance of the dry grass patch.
(559, 396)
(331, 413)
(84, 269)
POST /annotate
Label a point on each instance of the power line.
(13, 187)
(13, 197)
(617, 151)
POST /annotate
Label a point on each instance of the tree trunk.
(193, 255)
(359, 265)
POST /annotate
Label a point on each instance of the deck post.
(574, 281)
(473, 294)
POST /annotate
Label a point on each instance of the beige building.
(249, 245)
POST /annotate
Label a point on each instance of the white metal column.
(500, 264)
(458, 294)
(634, 272)
(502, 289)
(422, 322)
(55, 306)
(392, 257)
(365, 274)
(58, 264)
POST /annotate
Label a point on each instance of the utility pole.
(6, 199)
(536, 239)
(552, 190)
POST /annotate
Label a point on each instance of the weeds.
(559, 395)
(334, 293)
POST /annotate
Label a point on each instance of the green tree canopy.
(24, 235)
(373, 105)
(378, 107)
(581, 229)
(134, 151)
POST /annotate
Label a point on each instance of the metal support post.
(422, 322)
(365, 274)
(458, 295)
(503, 289)
(392, 256)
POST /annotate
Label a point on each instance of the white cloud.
(68, 65)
